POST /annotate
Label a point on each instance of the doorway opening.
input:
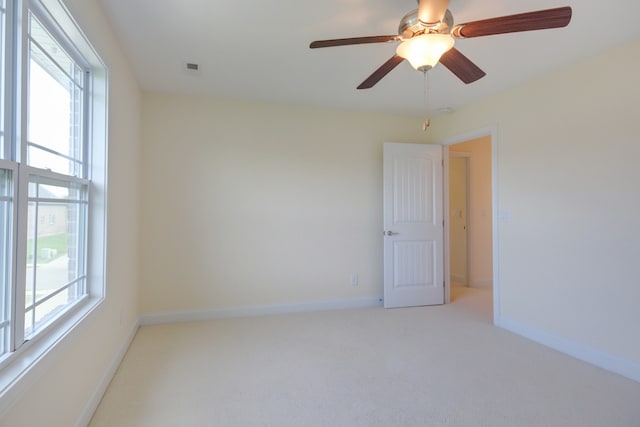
(470, 214)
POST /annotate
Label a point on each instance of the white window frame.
(7, 165)
(21, 368)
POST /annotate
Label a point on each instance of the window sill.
(21, 369)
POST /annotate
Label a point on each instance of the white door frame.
(491, 131)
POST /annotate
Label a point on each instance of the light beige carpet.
(428, 366)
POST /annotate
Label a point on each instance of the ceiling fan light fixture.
(423, 52)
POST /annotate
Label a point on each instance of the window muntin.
(55, 105)
(56, 263)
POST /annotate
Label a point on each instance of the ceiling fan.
(427, 36)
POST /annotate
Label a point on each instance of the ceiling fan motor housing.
(411, 26)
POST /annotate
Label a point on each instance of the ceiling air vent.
(191, 66)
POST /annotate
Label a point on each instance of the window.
(55, 103)
(52, 179)
(56, 267)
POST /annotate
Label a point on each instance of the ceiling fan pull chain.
(427, 122)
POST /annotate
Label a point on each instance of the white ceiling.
(259, 50)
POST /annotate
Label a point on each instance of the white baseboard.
(258, 310)
(92, 404)
(615, 364)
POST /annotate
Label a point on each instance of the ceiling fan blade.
(353, 40)
(432, 11)
(539, 20)
(461, 66)
(381, 72)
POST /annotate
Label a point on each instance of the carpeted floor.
(428, 366)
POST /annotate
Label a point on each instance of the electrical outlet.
(354, 279)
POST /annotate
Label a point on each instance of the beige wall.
(568, 147)
(480, 213)
(248, 204)
(74, 368)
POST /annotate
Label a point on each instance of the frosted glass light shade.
(423, 52)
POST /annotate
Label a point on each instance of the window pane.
(55, 105)
(6, 250)
(56, 242)
(50, 52)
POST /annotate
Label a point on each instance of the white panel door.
(413, 225)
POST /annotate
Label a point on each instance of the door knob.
(389, 233)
